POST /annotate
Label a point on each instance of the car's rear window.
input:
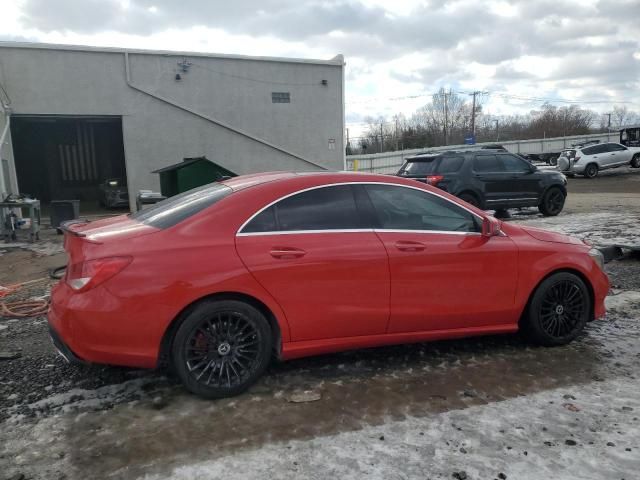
(423, 166)
(174, 210)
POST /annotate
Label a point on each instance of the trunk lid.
(84, 240)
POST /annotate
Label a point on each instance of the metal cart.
(8, 224)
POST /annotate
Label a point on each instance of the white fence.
(390, 162)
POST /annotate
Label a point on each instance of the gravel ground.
(476, 408)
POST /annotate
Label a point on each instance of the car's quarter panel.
(123, 320)
(339, 287)
(455, 281)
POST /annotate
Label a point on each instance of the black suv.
(490, 179)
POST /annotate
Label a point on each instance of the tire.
(591, 170)
(552, 202)
(470, 198)
(221, 348)
(635, 161)
(553, 161)
(558, 310)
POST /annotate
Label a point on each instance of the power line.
(495, 94)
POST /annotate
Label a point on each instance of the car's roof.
(245, 181)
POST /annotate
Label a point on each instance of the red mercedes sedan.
(220, 279)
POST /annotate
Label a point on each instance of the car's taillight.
(434, 179)
(575, 159)
(87, 275)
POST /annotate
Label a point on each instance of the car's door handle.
(287, 252)
(409, 246)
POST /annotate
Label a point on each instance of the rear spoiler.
(66, 227)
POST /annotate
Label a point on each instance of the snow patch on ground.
(80, 399)
(41, 248)
(601, 229)
(623, 301)
(533, 437)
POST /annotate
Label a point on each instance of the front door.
(525, 182)
(496, 184)
(618, 154)
(444, 274)
(328, 273)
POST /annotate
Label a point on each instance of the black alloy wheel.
(591, 170)
(221, 348)
(552, 202)
(558, 310)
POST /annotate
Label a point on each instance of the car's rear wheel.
(552, 202)
(221, 348)
(558, 310)
(635, 161)
(469, 198)
(591, 170)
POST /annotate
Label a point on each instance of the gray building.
(73, 117)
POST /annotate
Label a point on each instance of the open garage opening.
(61, 157)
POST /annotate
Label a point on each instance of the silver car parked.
(589, 159)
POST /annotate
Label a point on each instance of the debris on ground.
(305, 396)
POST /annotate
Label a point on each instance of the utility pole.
(348, 147)
(608, 126)
(446, 117)
(396, 134)
(381, 138)
(497, 131)
(473, 112)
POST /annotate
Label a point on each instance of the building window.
(280, 97)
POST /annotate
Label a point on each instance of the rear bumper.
(63, 349)
(94, 327)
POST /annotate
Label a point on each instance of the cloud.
(392, 49)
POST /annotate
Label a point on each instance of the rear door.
(321, 261)
(444, 274)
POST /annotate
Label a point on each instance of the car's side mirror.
(491, 227)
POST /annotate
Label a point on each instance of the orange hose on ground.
(27, 308)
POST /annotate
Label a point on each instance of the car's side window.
(588, 151)
(614, 147)
(402, 208)
(326, 208)
(600, 149)
(513, 164)
(487, 164)
(450, 163)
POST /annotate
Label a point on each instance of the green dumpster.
(190, 173)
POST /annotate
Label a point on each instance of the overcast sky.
(583, 50)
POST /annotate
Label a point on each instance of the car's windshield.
(175, 209)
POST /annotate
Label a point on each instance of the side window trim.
(373, 228)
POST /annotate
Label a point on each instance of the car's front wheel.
(221, 348)
(558, 310)
(552, 202)
(635, 161)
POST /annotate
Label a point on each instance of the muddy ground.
(478, 408)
